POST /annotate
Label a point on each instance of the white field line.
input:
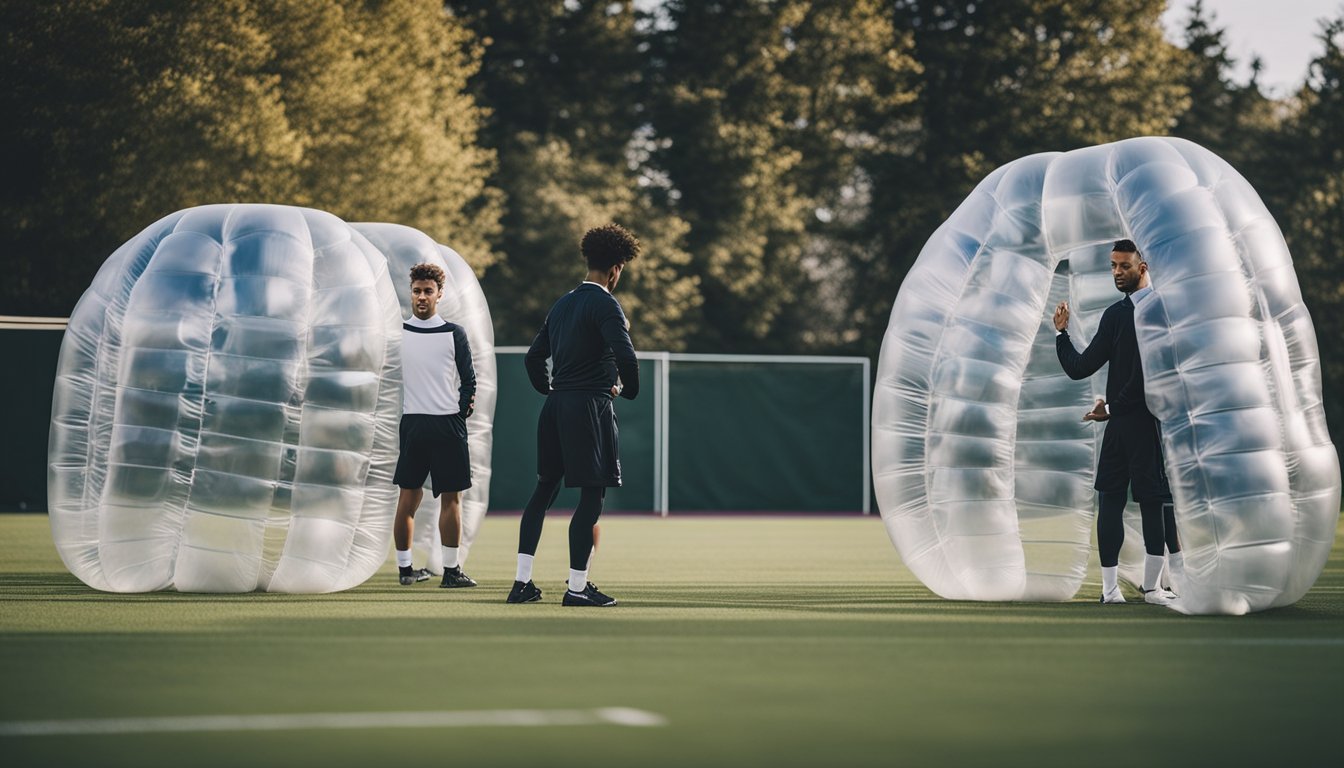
(335, 720)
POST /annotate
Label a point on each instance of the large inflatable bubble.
(226, 406)
(463, 303)
(982, 467)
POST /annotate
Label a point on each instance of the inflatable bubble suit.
(982, 467)
(226, 405)
(463, 303)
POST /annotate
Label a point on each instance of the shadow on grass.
(884, 602)
(65, 587)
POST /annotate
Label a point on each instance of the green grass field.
(771, 642)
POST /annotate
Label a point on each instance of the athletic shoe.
(454, 578)
(408, 575)
(589, 597)
(523, 593)
(1113, 596)
(1157, 596)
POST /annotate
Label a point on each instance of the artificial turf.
(761, 641)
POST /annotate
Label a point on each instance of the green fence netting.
(766, 436)
(707, 433)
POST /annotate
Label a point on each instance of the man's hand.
(1098, 412)
(471, 407)
(1062, 316)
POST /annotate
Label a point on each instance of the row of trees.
(123, 111)
(783, 160)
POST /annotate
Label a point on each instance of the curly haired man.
(586, 336)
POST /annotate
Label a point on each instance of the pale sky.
(1282, 32)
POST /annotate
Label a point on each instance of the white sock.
(1152, 571)
(450, 557)
(524, 573)
(578, 580)
(403, 558)
(1110, 578)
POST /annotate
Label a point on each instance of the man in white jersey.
(439, 395)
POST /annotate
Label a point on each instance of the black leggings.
(1169, 528)
(1159, 527)
(580, 526)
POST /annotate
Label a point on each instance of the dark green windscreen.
(25, 391)
(765, 436)
(513, 463)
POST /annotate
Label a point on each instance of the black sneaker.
(524, 593)
(454, 578)
(408, 575)
(589, 596)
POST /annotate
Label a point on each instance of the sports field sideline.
(739, 641)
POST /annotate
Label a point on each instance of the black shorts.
(435, 446)
(1131, 457)
(577, 439)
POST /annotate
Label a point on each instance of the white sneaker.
(1113, 596)
(1157, 596)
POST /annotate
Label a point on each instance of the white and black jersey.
(436, 367)
(439, 383)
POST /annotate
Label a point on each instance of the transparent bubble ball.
(982, 468)
(226, 405)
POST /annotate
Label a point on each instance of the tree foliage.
(1000, 81)
(564, 84)
(137, 108)
(563, 195)
(760, 113)
(784, 161)
(1313, 209)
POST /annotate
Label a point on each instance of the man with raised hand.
(439, 395)
(1131, 448)
(587, 339)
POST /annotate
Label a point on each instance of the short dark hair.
(608, 245)
(427, 272)
(1127, 246)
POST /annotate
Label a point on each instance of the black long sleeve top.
(587, 338)
(1115, 343)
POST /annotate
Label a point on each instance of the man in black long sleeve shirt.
(587, 338)
(1131, 448)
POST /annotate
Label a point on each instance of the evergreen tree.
(761, 113)
(564, 196)
(392, 127)
(565, 91)
(1000, 81)
(127, 111)
(1235, 121)
(1313, 219)
(122, 113)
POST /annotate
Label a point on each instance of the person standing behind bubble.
(587, 338)
(1131, 448)
(439, 395)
